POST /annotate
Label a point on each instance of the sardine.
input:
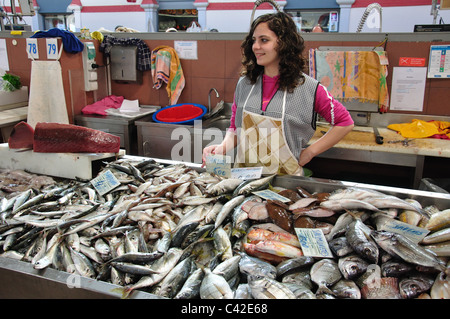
(358, 237)
(402, 247)
(162, 266)
(191, 287)
(245, 188)
(48, 257)
(227, 208)
(227, 185)
(175, 279)
(82, 264)
(293, 265)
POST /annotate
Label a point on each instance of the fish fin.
(125, 291)
(323, 289)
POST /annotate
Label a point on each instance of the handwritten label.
(32, 48)
(268, 194)
(246, 173)
(219, 165)
(105, 182)
(313, 242)
(416, 234)
(52, 48)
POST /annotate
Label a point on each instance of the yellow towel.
(422, 129)
(166, 67)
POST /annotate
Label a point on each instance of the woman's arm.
(332, 137)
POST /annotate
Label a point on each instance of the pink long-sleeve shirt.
(322, 105)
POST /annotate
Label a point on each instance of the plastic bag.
(194, 27)
(422, 129)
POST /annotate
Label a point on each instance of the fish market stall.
(164, 229)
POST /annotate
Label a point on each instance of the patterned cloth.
(352, 75)
(143, 51)
(166, 68)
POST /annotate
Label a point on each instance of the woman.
(275, 104)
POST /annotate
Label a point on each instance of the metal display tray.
(21, 280)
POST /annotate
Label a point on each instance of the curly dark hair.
(290, 49)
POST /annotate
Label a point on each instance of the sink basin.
(220, 122)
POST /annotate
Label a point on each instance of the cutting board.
(65, 165)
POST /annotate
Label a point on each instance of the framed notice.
(408, 89)
(439, 62)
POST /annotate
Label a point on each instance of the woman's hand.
(216, 149)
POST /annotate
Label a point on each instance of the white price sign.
(52, 48)
(245, 173)
(313, 242)
(32, 48)
(219, 165)
(105, 182)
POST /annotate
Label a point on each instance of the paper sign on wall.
(32, 48)
(186, 49)
(408, 88)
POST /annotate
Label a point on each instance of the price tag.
(416, 234)
(268, 194)
(32, 48)
(246, 173)
(219, 165)
(105, 182)
(313, 242)
(52, 48)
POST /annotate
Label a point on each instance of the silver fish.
(254, 266)
(441, 287)
(228, 268)
(348, 204)
(340, 246)
(227, 208)
(293, 264)
(222, 243)
(214, 287)
(266, 288)
(224, 186)
(439, 220)
(175, 279)
(358, 237)
(402, 247)
(243, 292)
(300, 291)
(352, 266)
(325, 273)
(437, 236)
(249, 186)
(395, 268)
(48, 257)
(346, 289)
(82, 264)
(413, 286)
(354, 193)
(191, 287)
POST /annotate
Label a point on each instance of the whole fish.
(228, 268)
(413, 286)
(325, 273)
(388, 201)
(439, 220)
(352, 266)
(277, 248)
(402, 247)
(175, 279)
(191, 287)
(227, 185)
(340, 246)
(294, 264)
(358, 237)
(82, 264)
(354, 193)
(267, 288)
(214, 286)
(48, 257)
(245, 188)
(346, 289)
(161, 266)
(243, 292)
(439, 249)
(437, 236)
(227, 208)
(222, 243)
(441, 287)
(300, 277)
(254, 266)
(348, 204)
(130, 268)
(300, 291)
(395, 268)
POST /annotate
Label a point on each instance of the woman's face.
(265, 43)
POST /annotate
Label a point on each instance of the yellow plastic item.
(97, 35)
(421, 129)
(16, 32)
